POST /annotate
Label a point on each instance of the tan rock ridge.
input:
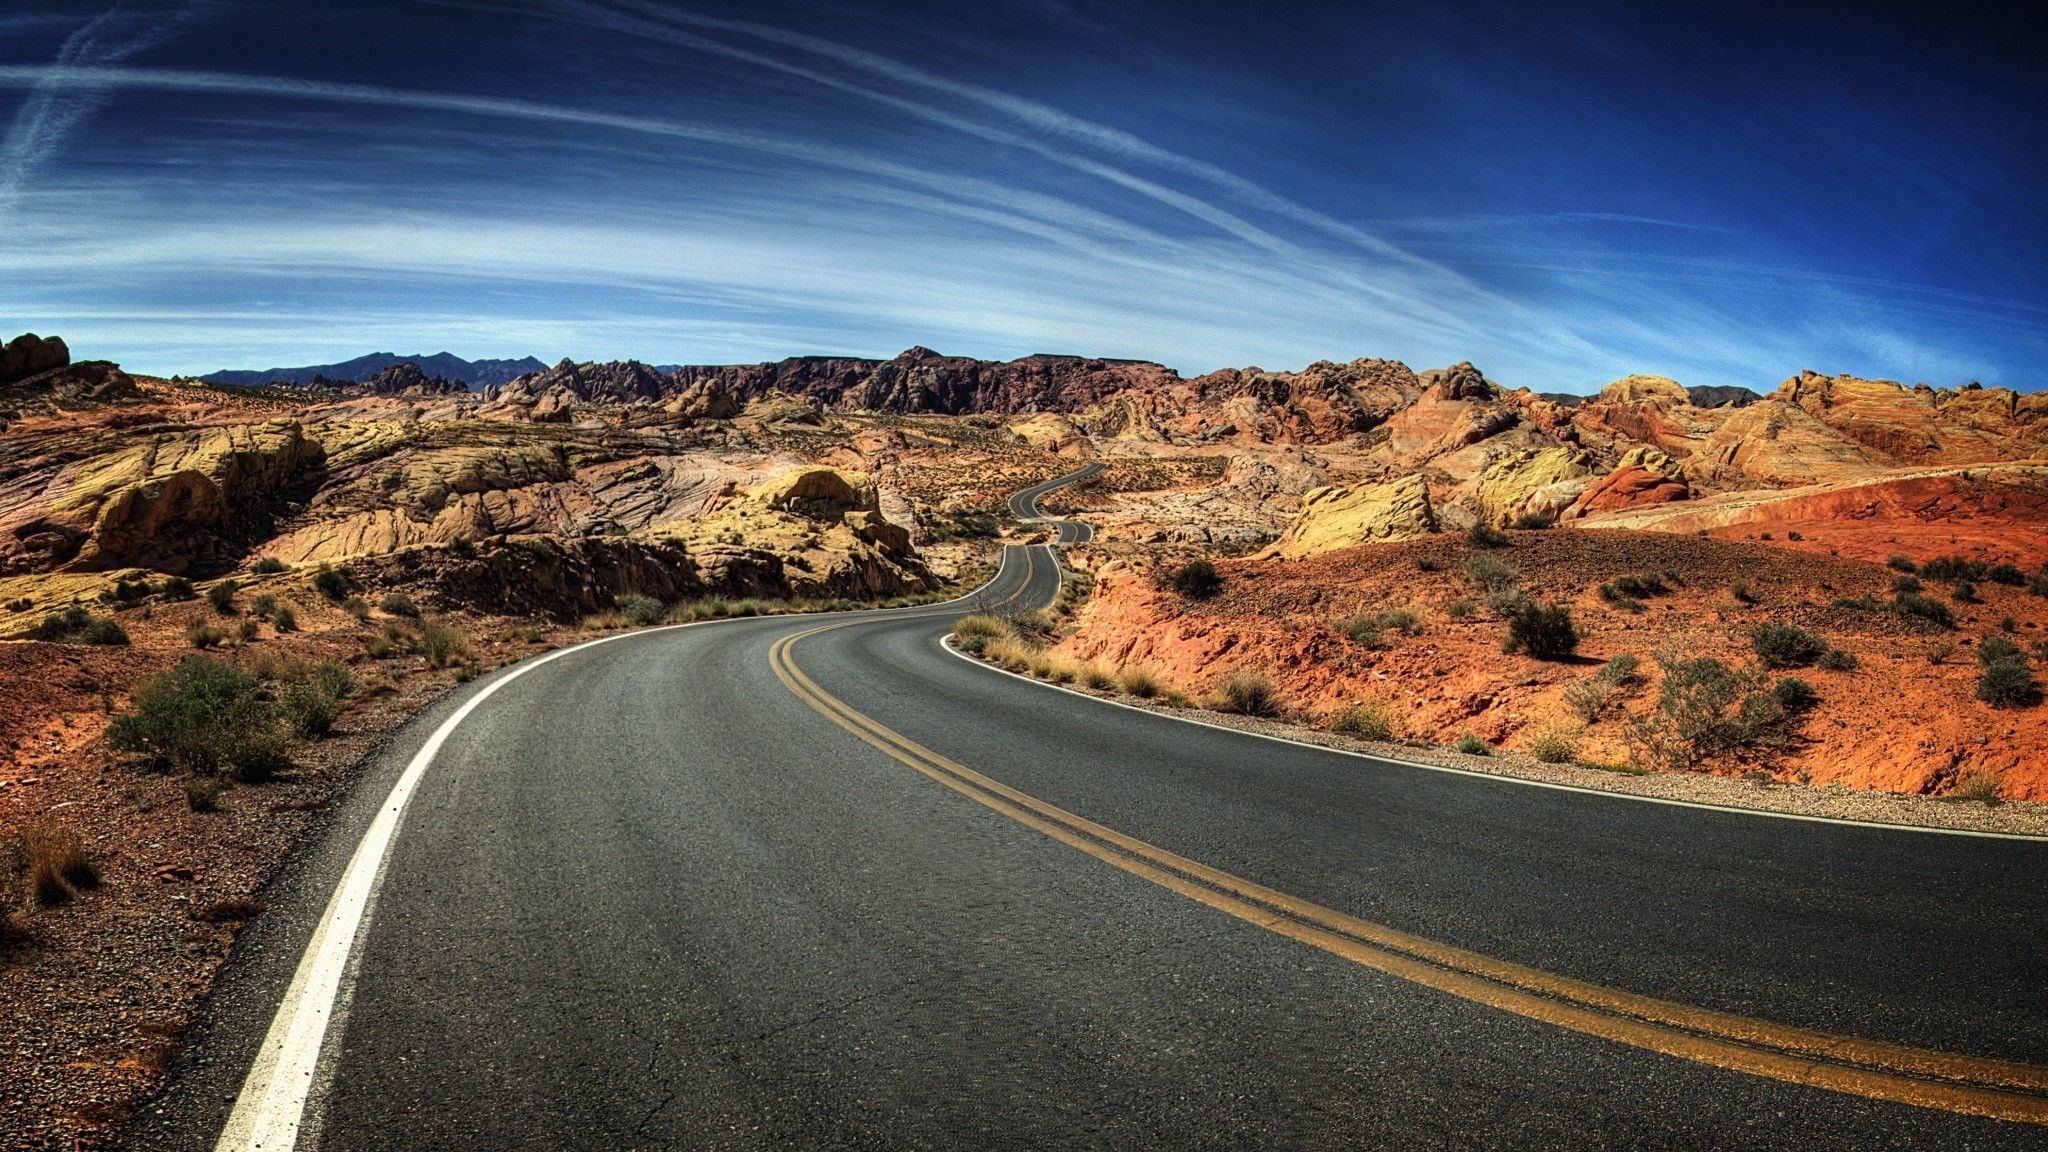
(1337, 517)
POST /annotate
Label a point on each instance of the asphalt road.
(817, 882)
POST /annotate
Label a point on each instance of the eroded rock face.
(1334, 517)
(822, 491)
(1533, 481)
(28, 354)
(177, 501)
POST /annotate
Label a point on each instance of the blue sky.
(1562, 197)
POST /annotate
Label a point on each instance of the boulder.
(816, 490)
(28, 354)
(1532, 480)
(1333, 517)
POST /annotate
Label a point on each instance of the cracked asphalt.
(647, 898)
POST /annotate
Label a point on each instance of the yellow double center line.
(1976, 1086)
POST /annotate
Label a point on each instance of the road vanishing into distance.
(818, 882)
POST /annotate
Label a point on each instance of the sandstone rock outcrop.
(28, 354)
(1533, 481)
(1334, 517)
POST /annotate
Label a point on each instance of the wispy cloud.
(52, 113)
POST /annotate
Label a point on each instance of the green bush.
(1484, 535)
(444, 644)
(222, 596)
(1544, 631)
(1914, 605)
(1795, 695)
(2006, 574)
(1534, 521)
(59, 626)
(2008, 684)
(642, 610)
(206, 717)
(200, 634)
(1195, 580)
(268, 566)
(310, 712)
(177, 588)
(1906, 584)
(1706, 709)
(1245, 691)
(1786, 645)
(1901, 564)
(1949, 568)
(104, 632)
(284, 619)
(263, 606)
(1836, 660)
(1490, 573)
(356, 606)
(1964, 592)
(1367, 718)
(399, 604)
(333, 583)
(1472, 745)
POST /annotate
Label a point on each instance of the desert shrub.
(1706, 709)
(54, 865)
(1836, 660)
(1940, 651)
(202, 793)
(1906, 584)
(1472, 745)
(1916, 606)
(269, 565)
(1461, 609)
(1635, 587)
(1247, 692)
(356, 606)
(1619, 669)
(2037, 584)
(1429, 563)
(333, 583)
(1095, 676)
(1964, 592)
(310, 712)
(130, 592)
(444, 644)
(1901, 564)
(1011, 652)
(2006, 574)
(1951, 568)
(1368, 719)
(247, 630)
(2008, 684)
(59, 626)
(177, 588)
(1195, 580)
(1553, 746)
(221, 596)
(1534, 521)
(462, 547)
(263, 607)
(206, 717)
(1370, 628)
(1739, 589)
(284, 619)
(399, 604)
(1795, 695)
(200, 634)
(1786, 645)
(104, 632)
(1484, 535)
(1138, 680)
(1980, 785)
(1490, 573)
(1505, 602)
(641, 610)
(1543, 631)
(985, 626)
(2008, 624)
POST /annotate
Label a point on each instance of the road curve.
(1024, 506)
(816, 882)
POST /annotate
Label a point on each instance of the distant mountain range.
(475, 373)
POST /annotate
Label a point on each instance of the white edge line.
(271, 1106)
(946, 642)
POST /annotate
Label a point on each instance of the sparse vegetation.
(1367, 719)
(53, 863)
(444, 644)
(1490, 572)
(1915, 606)
(1247, 692)
(200, 634)
(1472, 745)
(1587, 697)
(1739, 589)
(221, 596)
(1138, 680)
(334, 584)
(1553, 746)
(176, 588)
(2005, 680)
(1543, 631)
(1953, 569)
(204, 717)
(1980, 785)
(642, 610)
(1484, 535)
(1901, 564)
(202, 793)
(104, 632)
(1836, 660)
(1370, 628)
(1786, 645)
(356, 606)
(267, 566)
(1195, 580)
(1707, 709)
(399, 604)
(2006, 574)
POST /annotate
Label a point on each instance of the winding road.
(819, 882)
